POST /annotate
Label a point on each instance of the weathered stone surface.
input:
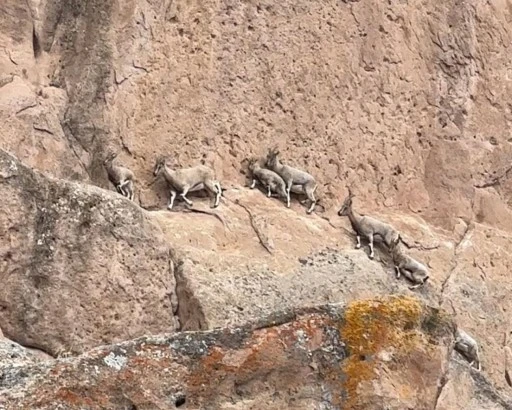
(468, 390)
(12, 354)
(79, 266)
(373, 354)
(267, 259)
(377, 95)
(407, 102)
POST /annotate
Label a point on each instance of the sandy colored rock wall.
(406, 102)
(377, 95)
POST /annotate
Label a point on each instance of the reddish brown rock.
(372, 354)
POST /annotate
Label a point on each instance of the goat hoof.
(371, 256)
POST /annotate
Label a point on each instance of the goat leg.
(282, 194)
(358, 245)
(130, 191)
(312, 207)
(370, 239)
(269, 193)
(398, 273)
(217, 195)
(127, 188)
(288, 189)
(253, 184)
(171, 200)
(311, 196)
(479, 366)
(124, 191)
(184, 196)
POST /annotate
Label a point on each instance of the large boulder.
(80, 266)
(372, 354)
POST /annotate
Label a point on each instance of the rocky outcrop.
(373, 354)
(79, 266)
(407, 103)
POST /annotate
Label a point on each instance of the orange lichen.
(69, 397)
(370, 327)
(265, 351)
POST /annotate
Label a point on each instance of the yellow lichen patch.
(372, 326)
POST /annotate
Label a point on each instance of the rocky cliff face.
(407, 102)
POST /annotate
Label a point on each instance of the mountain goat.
(293, 176)
(121, 177)
(187, 180)
(367, 226)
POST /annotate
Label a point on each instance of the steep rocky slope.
(408, 102)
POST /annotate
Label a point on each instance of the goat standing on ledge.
(413, 270)
(121, 177)
(293, 176)
(188, 180)
(468, 347)
(367, 226)
(269, 179)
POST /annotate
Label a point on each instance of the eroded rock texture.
(80, 267)
(407, 102)
(373, 354)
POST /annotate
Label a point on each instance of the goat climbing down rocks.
(269, 179)
(468, 347)
(293, 177)
(121, 177)
(367, 226)
(187, 180)
(404, 264)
